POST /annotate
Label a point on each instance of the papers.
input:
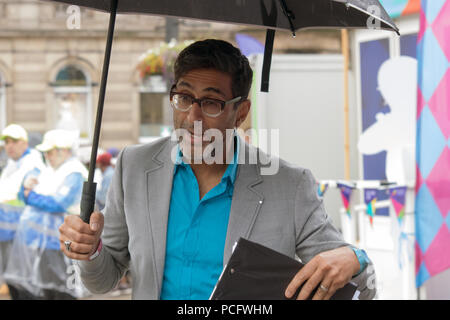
(255, 272)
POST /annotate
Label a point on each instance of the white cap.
(57, 139)
(14, 131)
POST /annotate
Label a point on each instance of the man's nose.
(195, 113)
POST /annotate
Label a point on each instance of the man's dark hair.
(219, 55)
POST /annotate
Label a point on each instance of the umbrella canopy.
(282, 14)
(269, 14)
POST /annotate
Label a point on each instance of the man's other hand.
(328, 271)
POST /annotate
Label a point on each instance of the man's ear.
(242, 112)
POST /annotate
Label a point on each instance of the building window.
(155, 111)
(73, 103)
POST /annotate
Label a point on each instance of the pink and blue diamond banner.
(432, 206)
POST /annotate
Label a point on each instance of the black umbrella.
(269, 14)
(277, 14)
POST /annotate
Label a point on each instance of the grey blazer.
(281, 211)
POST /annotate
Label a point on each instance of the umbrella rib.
(374, 16)
(289, 15)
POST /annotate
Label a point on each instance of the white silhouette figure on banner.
(395, 132)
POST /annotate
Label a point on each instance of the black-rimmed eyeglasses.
(209, 106)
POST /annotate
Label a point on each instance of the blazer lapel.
(159, 188)
(246, 201)
(245, 205)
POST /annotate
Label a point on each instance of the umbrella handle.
(87, 201)
(89, 187)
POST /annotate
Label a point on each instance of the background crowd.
(39, 185)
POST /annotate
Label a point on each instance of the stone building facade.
(50, 72)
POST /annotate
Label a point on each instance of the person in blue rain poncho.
(21, 159)
(36, 266)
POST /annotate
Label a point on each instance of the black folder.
(255, 272)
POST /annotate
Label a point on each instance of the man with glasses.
(175, 208)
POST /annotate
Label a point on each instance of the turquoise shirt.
(196, 233)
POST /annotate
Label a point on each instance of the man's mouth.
(192, 138)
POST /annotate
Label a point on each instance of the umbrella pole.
(89, 187)
(268, 48)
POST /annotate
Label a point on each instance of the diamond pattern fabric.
(433, 141)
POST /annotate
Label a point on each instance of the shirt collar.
(179, 158)
(230, 173)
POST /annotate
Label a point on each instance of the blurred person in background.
(104, 164)
(107, 171)
(36, 267)
(3, 156)
(20, 160)
(114, 152)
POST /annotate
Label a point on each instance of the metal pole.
(345, 49)
(89, 187)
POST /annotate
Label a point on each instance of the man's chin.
(192, 152)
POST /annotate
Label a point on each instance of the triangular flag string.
(370, 199)
(346, 194)
(322, 188)
(398, 196)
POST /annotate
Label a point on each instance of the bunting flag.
(404, 239)
(398, 197)
(370, 199)
(396, 8)
(346, 194)
(432, 202)
(322, 188)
